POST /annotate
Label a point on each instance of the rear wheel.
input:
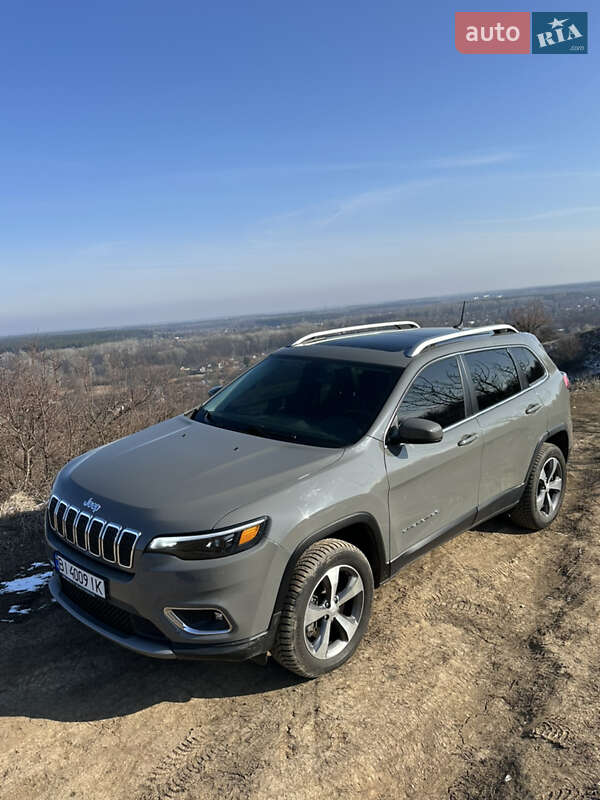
(326, 610)
(544, 491)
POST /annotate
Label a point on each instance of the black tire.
(296, 644)
(527, 513)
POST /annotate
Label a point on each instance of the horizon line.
(492, 293)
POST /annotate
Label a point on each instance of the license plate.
(80, 577)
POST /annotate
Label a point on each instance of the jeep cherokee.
(262, 520)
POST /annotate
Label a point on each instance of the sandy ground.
(479, 678)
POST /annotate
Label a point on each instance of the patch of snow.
(19, 610)
(30, 583)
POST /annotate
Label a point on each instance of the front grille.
(106, 540)
(99, 609)
(109, 615)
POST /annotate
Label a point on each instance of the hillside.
(477, 681)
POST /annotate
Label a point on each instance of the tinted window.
(531, 367)
(494, 375)
(437, 394)
(309, 400)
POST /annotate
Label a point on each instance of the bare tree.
(567, 350)
(532, 318)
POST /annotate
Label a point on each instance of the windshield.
(313, 401)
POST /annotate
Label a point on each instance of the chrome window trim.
(477, 413)
(171, 615)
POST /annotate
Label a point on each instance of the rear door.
(434, 486)
(512, 420)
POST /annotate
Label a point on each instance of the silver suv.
(262, 520)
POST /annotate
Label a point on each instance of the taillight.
(566, 381)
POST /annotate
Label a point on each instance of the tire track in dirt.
(568, 793)
(197, 768)
(547, 671)
(551, 731)
(478, 680)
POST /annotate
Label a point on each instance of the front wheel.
(326, 610)
(544, 490)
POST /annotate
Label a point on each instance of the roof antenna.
(462, 316)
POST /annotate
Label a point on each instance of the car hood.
(182, 475)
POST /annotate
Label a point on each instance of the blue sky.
(164, 161)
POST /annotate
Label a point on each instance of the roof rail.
(448, 337)
(374, 327)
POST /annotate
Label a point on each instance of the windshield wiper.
(254, 429)
(263, 431)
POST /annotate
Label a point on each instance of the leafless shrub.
(51, 411)
(567, 350)
(532, 318)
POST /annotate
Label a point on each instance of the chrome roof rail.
(355, 330)
(448, 337)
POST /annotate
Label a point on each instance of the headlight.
(193, 546)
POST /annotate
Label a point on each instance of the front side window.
(317, 401)
(436, 393)
(529, 364)
(494, 376)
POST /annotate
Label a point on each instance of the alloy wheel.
(334, 612)
(549, 487)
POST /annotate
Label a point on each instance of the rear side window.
(494, 376)
(437, 394)
(530, 366)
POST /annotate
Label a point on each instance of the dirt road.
(479, 678)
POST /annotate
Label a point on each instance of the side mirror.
(214, 390)
(415, 431)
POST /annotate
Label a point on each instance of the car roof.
(392, 347)
(390, 341)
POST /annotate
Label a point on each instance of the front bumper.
(226, 651)
(243, 585)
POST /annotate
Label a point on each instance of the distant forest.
(64, 393)
(572, 307)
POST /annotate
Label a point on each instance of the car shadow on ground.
(57, 668)
(61, 670)
(54, 667)
(502, 524)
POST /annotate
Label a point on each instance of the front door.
(433, 487)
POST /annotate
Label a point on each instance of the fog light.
(199, 620)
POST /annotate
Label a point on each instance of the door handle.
(467, 439)
(533, 408)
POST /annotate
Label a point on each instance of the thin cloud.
(474, 160)
(282, 170)
(557, 212)
(375, 197)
